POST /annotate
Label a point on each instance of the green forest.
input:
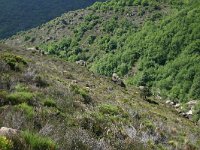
(164, 50)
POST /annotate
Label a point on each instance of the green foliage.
(49, 102)
(5, 143)
(3, 94)
(19, 97)
(28, 110)
(196, 116)
(21, 88)
(15, 62)
(105, 117)
(91, 39)
(109, 109)
(164, 51)
(37, 142)
(40, 81)
(83, 92)
(167, 55)
(148, 125)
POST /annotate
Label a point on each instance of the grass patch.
(49, 103)
(109, 109)
(37, 142)
(20, 97)
(29, 111)
(21, 88)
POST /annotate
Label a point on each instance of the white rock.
(189, 112)
(4, 131)
(141, 87)
(177, 105)
(131, 132)
(31, 48)
(171, 103)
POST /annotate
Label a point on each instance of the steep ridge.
(78, 109)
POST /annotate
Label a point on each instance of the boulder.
(115, 77)
(141, 87)
(189, 112)
(74, 82)
(117, 80)
(32, 48)
(81, 62)
(4, 131)
(184, 115)
(177, 105)
(172, 103)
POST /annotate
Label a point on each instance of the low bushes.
(49, 102)
(37, 142)
(15, 62)
(28, 110)
(5, 143)
(19, 97)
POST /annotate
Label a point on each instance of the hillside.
(20, 15)
(66, 106)
(116, 75)
(149, 43)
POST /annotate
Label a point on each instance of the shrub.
(19, 97)
(5, 144)
(27, 38)
(40, 82)
(4, 67)
(15, 62)
(36, 142)
(196, 116)
(109, 109)
(149, 125)
(79, 145)
(3, 94)
(91, 39)
(49, 103)
(29, 111)
(82, 92)
(21, 88)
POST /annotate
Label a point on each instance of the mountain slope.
(78, 109)
(20, 15)
(151, 43)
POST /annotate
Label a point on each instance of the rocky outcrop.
(116, 79)
(188, 113)
(4, 131)
(81, 63)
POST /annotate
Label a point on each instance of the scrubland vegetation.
(150, 44)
